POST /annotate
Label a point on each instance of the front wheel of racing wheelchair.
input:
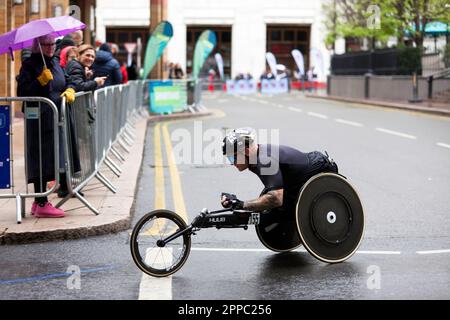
(328, 220)
(150, 254)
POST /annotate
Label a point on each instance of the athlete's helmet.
(237, 140)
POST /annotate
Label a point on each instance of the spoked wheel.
(149, 255)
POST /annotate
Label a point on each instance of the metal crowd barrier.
(102, 123)
(33, 113)
(97, 126)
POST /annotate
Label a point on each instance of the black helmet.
(237, 140)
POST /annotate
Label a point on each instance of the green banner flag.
(204, 46)
(156, 45)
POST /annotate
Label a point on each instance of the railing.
(33, 113)
(101, 122)
(88, 134)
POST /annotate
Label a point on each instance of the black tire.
(155, 226)
(277, 230)
(330, 217)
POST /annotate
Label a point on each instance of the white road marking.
(278, 106)
(295, 109)
(378, 252)
(152, 288)
(296, 250)
(396, 133)
(441, 144)
(317, 115)
(350, 123)
(433, 251)
(263, 102)
(222, 100)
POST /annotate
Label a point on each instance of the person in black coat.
(50, 82)
(106, 66)
(80, 75)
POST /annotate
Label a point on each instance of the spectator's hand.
(69, 94)
(45, 77)
(88, 72)
(100, 81)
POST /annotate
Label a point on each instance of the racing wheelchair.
(328, 221)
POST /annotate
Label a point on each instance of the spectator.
(123, 70)
(79, 71)
(310, 78)
(35, 79)
(65, 42)
(106, 66)
(114, 49)
(67, 54)
(179, 74)
(132, 71)
(77, 37)
(171, 70)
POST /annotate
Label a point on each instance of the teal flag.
(204, 46)
(156, 45)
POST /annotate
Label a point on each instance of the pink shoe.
(33, 208)
(48, 211)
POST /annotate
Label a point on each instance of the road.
(398, 161)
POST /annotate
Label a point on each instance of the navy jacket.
(106, 66)
(77, 77)
(29, 86)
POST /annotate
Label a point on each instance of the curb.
(64, 234)
(119, 225)
(386, 104)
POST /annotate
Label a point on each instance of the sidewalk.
(115, 209)
(442, 109)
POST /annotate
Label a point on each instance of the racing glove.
(235, 202)
(69, 94)
(45, 77)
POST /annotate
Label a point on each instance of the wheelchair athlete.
(283, 170)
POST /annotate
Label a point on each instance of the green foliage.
(409, 61)
(354, 18)
(447, 56)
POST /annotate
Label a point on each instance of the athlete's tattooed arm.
(270, 200)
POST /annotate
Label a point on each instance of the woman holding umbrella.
(41, 75)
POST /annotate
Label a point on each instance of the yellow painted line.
(177, 191)
(160, 202)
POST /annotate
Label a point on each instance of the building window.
(223, 35)
(275, 35)
(282, 39)
(35, 6)
(57, 10)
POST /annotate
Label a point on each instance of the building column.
(5, 60)
(158, 13)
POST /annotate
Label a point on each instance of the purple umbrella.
(23, 36)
